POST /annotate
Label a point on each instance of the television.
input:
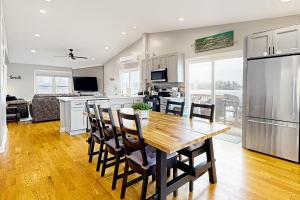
(85, 84)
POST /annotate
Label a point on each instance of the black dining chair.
(96, 135)
(114, 145)
(175, 108)
(141, 158)
(205, 111)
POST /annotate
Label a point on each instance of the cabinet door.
(77, 119)
(163, 61)
(286, 40)
(259, 45)
(172, 63)
(156, 63)
(149, 68)
(144, 71)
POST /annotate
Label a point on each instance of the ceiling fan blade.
(80, 57)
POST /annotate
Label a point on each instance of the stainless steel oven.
(159, 75)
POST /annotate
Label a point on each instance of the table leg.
(211, 158)
(161, 174)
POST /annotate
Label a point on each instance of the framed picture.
(217, 41)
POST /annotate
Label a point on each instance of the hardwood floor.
(41, 163)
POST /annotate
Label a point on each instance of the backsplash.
(165, 85)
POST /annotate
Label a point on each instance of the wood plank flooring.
(41, 163)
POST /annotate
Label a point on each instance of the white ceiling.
(90, 25)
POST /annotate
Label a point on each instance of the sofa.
(21, 105)
(45, 107)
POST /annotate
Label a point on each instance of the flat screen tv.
(85, 84)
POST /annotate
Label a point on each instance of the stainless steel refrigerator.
(272, 113)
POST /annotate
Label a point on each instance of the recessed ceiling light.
(123, 33)
(37, 35)
(106, 48)
(33, 51)
(48, 0)
(180, 19)
(43, 11)
(134, 27)
(285, 1)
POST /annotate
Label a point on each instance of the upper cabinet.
(286, 40)
(272, 43)
(259, 44)
(174, 62)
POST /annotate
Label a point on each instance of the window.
(52, 82)
(130, 81)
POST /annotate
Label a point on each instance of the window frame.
(136, 69)
(53, 75)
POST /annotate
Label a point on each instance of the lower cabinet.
(72, 113)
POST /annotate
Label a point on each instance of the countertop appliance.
(164, 92)
(272, 106)
(159, 75)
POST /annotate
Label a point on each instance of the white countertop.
(85, 98)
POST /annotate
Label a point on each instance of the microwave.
(159, 75)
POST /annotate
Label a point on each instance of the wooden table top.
(171, 133)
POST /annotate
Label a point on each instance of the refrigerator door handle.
(272, 124)
(293, 99)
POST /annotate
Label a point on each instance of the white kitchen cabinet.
(73, 118)
(259, 45)
(276, 42)
(286, 40)
(175, 66)
(146, 71)
(156, 63)
(174, 62)
(163, 61)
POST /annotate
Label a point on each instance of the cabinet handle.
(269, 50)
(273, 50)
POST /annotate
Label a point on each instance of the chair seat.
(151, 157)
(97, 135)
(112, 143)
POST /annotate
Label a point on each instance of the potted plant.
(142, 109)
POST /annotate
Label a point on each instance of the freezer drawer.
(277, 138)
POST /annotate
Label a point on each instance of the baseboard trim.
(3, 145)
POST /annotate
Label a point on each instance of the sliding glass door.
(200, 82)
(219, 81)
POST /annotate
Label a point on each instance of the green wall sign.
(217, 41)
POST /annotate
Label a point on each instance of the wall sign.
(15, 77)
(217, 41)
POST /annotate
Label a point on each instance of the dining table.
(169, 134)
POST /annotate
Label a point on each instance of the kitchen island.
(72, 110)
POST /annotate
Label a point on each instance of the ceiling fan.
(72, 56)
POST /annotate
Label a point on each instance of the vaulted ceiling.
(94, 27)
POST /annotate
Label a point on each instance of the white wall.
(112, 67)
(24, 88)
(183, 40)
(97, 71)
(3, 52)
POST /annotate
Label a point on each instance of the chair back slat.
(174, 111)
(128, 135)
(209, 116)
(108, 123)
(91, 117)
